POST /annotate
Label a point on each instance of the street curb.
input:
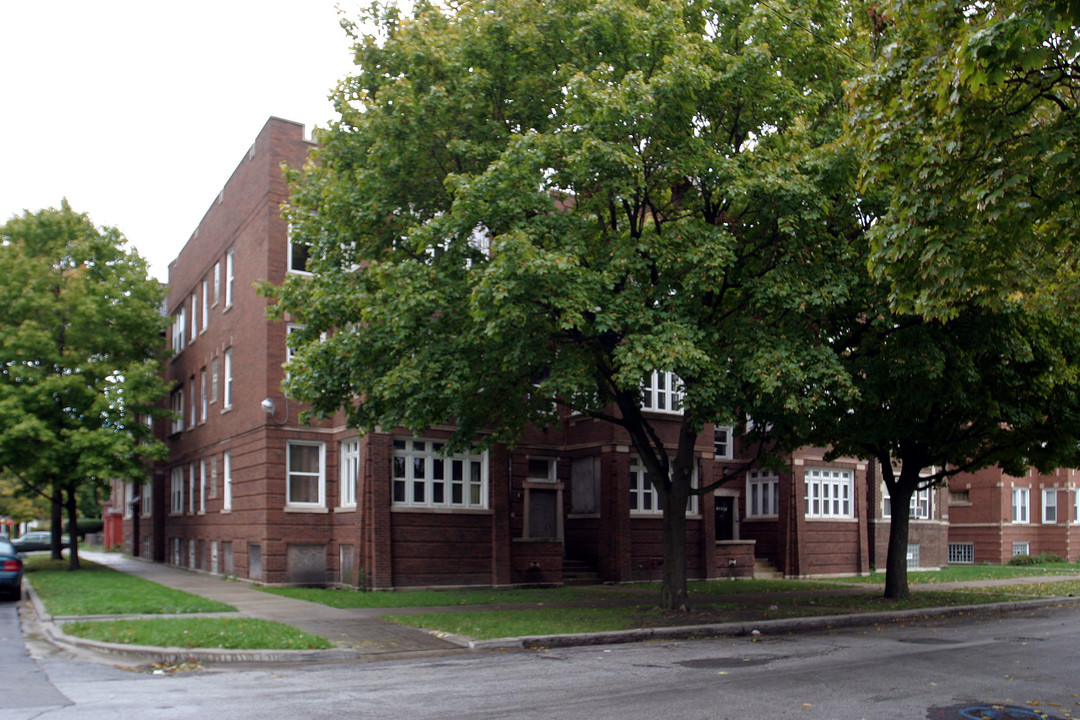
(52, 629)
(751, 628)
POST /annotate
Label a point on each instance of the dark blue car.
(11, 570)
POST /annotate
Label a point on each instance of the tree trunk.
(674, 594)
(56, 523)
(896, 580)
(73, 527)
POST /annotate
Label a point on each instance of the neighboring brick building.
(994, 516)
(250, 491)
(928, 525)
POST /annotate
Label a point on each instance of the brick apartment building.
(250, 491)
(994, 516)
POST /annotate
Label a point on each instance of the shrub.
(1043, 559)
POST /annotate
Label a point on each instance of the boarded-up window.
(585, 486)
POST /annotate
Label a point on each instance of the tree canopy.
(531, 202)
(970, 126)
(81, 346)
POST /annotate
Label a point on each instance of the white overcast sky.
(138, 111)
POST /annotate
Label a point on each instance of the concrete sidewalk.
(361, 636)
(358, 633)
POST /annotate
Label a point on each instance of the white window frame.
(227, 391)
(191, 489)
(176, 491)
(194, 316)
(215, 378)
(179, 330)
(961, 553)
(830, 493)
(662, 392)
(205, 304)
(423, 477)
(202, 486)
(319, 475)
(292, 260)
(226, 481)
(1049, 503)
(349, 460)
(230, 276)
(723, 442)
(176, 404)
(1076, 506)
(213, 477)
(1021, 547)
(645, 500)
(1021, 506)
(217, 283)
(147, 505)
(202, 394)
(920, 506)
(762, 494)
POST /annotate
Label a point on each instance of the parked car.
(33, 540)
(11, 570)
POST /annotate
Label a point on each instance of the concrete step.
(765, 570)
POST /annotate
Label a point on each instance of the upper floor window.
(230, 275)
(217, 283)
(1021, 505)
(205, 304)
(350, 471)
(176, 404)
(644, 499)
(194, 315)
(176, 490)
(1049, 507)
(298, 256)
(306, 481)
(920, 507)
(227, 400)
(663, 392)
(829, 493)
(722, 445)
(226, 481)
(423, 476)
(179, 329)
(762, 493)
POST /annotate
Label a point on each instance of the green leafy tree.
(525, 202)
(970, 125)
(19, 502)
(81, 336)
(938, 398)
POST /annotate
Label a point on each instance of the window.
(228, 379)
(350, 471)
(1049, 507)
(213, 476)
(147, 493)
(961, 553)
(193, 406)
(1021, 548)
(919, 508)
(306, 481)
(179, 328)
(959, 497)
(202, 487)
(202, 393)
(644, 500)
(423, 476)
(913, 553)
(762, 493)
(214, 380)
(205, 303)
(176, 490)
(191, 489)
(298, 256)
(829, 493)
(194, 314)
(722, 446)
(1076, 505)
(1021, 502)
(227, 483)
(176, 404)
(230, 278)
(217, 283)
(542, 469)
(663, 393)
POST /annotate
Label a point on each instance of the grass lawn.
(97, 590)
(234, 633)
(984, 571)
(343, 598)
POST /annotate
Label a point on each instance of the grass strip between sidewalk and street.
(964, 573)
(231, 633)
(98, 590)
